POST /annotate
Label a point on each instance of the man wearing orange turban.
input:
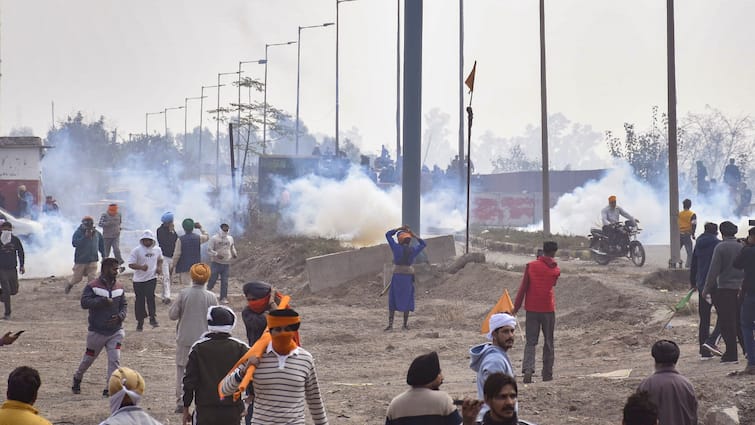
(190, 309)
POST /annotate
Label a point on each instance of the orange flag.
(470, 80)
(504, 305)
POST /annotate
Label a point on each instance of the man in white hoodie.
(147, 262)
(221, 250)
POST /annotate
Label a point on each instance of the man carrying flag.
(540, 277)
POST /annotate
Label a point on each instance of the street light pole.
(264, 102)
(165, 115)
(217, 130)
(186, 109)
(298, 76)
(201, 108)
(238, 119)
(338, 2)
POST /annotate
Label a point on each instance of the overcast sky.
(606, 60)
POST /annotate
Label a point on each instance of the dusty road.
(607, 319)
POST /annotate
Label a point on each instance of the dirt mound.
(668, 279)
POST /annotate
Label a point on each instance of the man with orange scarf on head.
(401, 292)
(110, 221)
(284, 377)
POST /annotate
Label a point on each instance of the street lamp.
(238, 120)
(298, 75)
(217, 129)
(146, 121)
(264, 106)
(201, 107)
(165, 115)
(186, 109)
(338, 2)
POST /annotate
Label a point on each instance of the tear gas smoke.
(142, 196)
(355, 210)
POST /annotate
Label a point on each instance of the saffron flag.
(504, 305)
(470, 80)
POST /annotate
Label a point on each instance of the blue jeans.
(222, 270)
(747, 322)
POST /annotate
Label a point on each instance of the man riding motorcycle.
(611, 215)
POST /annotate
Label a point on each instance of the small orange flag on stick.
(504, 305)
(470, 79)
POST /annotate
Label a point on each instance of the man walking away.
(698, 271)
(423, 403)
(211, 357)
(537, 288)
(18, 409)
(10, 250)
(126, 390)
(105, 299)
(668, 389)
(88, 243)
(190, 309)
(221, 250)
(492, 357)
(147, 262)
(722, 284)
(687, 226)
(746, 261)
(188, 252)
(166, 239)
(111, 221)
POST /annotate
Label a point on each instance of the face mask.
(283, 343)
(258, 306)
(5, 236)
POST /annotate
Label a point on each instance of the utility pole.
(462, 174)
(673, 166)
(410, 181)
(544, 127)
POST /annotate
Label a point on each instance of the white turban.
(500, 320)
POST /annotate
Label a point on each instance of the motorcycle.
(619, 241)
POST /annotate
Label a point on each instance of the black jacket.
(210, 360)
(95, 299)
(166, 239)
(9, 252)
(746, 261)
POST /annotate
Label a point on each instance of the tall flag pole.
(470, 84)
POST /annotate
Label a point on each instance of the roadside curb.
(515, 248)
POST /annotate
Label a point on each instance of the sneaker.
(76, 387)
(179, 409)
(6, 317)
(728, 361)
(713, 349)
(388, 328)
(527, 378)
(105, 393)
(166, 301)
(68, 288)
(749, 370)
(140, 326)
(153, 323)
(547, 378)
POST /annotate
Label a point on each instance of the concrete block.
(722, 416)
(327, 271)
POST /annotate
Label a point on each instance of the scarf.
(117, 399)
(283, 343)
(5, 236)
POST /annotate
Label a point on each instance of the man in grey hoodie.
(492, 357)
(722, 287)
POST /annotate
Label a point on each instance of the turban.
(282, 318)
(665, 352)
(612, 198)
(200, 273)
(423, 370)
(257, 289)
(220, 318)
(188, 225)
(728, 228)
(500, 320)
(125, 382)
(167, 217)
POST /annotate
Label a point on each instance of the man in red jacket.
(540, 277)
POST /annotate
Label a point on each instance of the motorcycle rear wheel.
(637, 253)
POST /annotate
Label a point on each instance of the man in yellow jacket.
(18, 409)
(687, 226)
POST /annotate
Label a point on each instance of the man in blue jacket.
(89, 246)
(492, 357)
(105, 299)
(401, 292)
(701, 256)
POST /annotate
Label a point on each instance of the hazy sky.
(606, 60)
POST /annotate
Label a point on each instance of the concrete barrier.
(327, 271)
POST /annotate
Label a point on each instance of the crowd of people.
(213, 368)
